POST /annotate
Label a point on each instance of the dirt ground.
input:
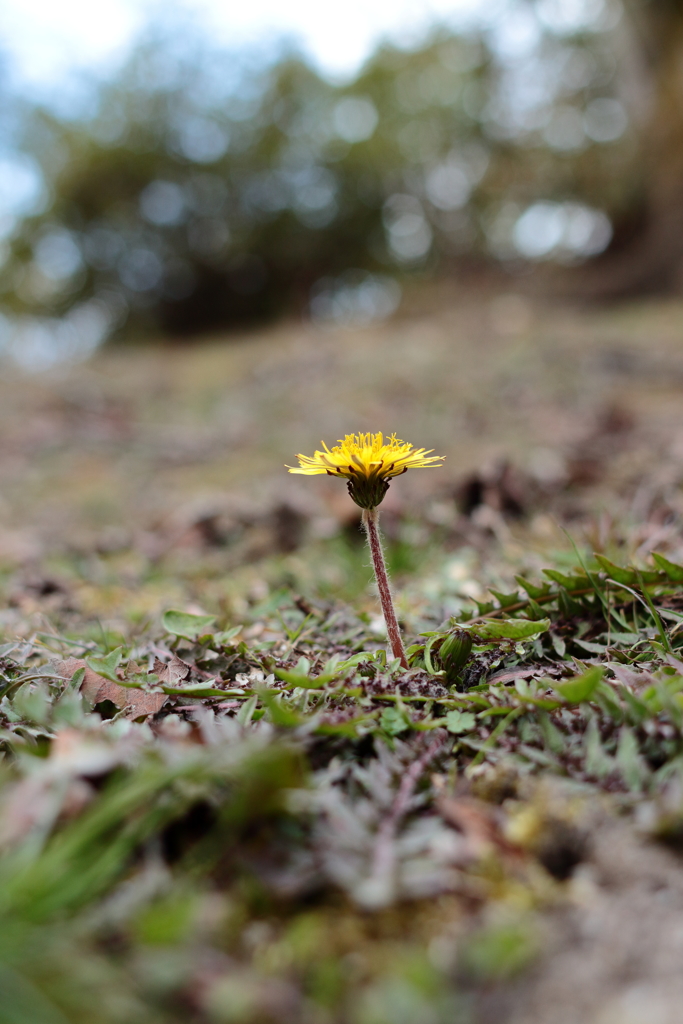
(153, 438)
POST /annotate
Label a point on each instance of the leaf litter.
(269, 821)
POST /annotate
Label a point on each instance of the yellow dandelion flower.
(368, 462)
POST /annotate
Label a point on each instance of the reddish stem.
(370, 521)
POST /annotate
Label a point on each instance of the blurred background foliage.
(198, 189)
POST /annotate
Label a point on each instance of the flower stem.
(370, 522)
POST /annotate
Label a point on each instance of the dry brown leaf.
(137, 703)
(173, 671)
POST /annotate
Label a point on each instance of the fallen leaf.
(173, 672)
(137, 703)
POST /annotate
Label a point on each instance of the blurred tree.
(207, 189)
(647, 253)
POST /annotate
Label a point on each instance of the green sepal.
(367, 491)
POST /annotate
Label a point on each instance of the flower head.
(368, 462)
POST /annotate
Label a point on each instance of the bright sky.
(46, 39)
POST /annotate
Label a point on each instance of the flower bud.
(454, 653)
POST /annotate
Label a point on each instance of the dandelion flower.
(368, 462)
